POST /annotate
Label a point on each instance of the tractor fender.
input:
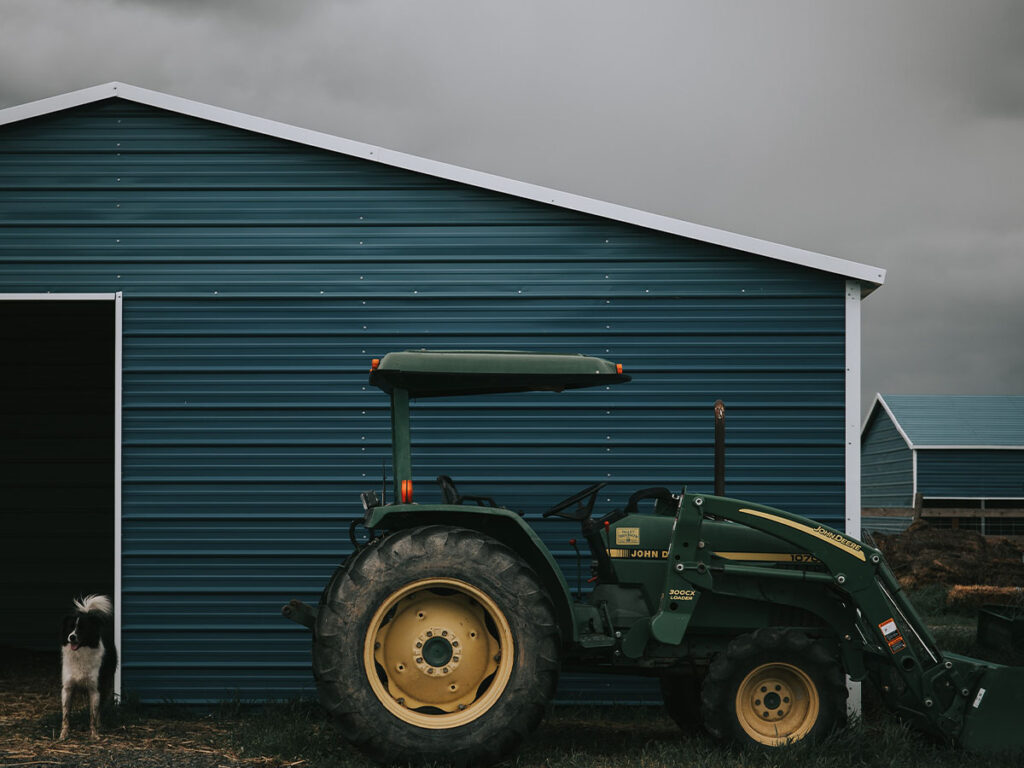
(501, 524)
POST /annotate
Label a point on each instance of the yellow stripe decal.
(637, 554)
(840, 542)
(769, 557)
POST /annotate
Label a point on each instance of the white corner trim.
(852, 433)
(870, 276)
(853, 378)
(118, 603)
(913, 476)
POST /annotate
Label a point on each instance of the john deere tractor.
(441, 638)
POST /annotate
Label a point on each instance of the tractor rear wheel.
(437, 644)
(772, 688)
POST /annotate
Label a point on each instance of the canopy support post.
(400, 440)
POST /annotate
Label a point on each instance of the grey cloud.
(888, 133)
(991, 74)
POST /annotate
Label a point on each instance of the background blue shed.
(240, 274)
(957, 460)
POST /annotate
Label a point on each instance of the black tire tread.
(344, 616)
(747, 651)
(681, 695)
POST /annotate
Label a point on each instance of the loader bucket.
(1001, 626)
(994, 714)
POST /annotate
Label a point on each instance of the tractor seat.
(451, 495)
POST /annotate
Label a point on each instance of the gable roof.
(870, 277)
(955, 421)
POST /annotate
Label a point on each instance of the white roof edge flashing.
(880, 402)
(871, 277)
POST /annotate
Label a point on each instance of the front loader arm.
(879, 633)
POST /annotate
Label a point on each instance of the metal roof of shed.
(871, 277)
(956, 421)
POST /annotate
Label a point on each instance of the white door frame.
(116, 299)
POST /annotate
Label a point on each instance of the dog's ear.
(67, 624)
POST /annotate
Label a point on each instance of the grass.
(616, 737)
(298, 733)
(644, 737)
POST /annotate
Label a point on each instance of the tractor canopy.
(441, 373)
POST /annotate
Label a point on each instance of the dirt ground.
(924, 555)
(30, 724)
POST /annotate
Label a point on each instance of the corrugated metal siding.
(970, 474)
(976, 420)
(886, 465)
(260, 277)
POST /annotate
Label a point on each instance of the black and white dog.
(88, 658)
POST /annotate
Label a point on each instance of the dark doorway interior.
(56, 462)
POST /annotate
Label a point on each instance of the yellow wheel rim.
(777, 704)
(438, 653)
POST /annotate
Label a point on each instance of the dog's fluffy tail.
(95, 604)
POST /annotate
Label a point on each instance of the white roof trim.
(872, 277)
(880, 402)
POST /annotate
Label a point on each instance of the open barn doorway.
(59, 388)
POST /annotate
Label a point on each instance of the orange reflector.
(618, 367)
(406, 491)
(374, 363)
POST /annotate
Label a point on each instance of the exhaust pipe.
(719, 448)
(300, 613)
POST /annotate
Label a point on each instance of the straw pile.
(924, 555)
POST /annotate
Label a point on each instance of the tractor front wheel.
(772, 688)
(438, 644)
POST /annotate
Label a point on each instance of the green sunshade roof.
(439, 373)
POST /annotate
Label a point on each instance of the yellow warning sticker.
(626, 537)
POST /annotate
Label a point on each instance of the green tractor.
(442, 637)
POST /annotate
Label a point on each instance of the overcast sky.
(886, 133)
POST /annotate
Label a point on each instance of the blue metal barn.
(248, 271)
(945, 457)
